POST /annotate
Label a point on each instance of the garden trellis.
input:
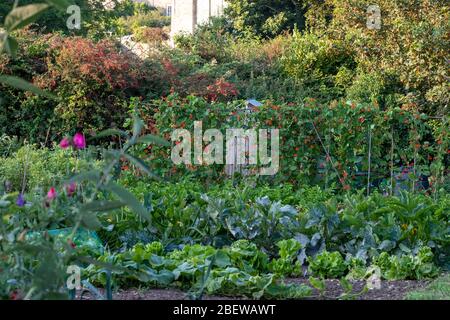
(232, 166)
(409, 172)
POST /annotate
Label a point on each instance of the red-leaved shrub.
(221, 90)
(102, 64)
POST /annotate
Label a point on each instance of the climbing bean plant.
(342, 144)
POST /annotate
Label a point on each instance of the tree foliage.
(405, 61)
(267, 18)
(96, 20)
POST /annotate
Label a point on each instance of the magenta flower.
(51, 194)
(71, 188)
(65, 143)
(78, 141)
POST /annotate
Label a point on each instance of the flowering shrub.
(221, 90)
(100, 64)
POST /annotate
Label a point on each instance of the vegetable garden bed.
(390, 290)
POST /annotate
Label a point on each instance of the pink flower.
(71, 188)
(79, 141)
(51, 194)
(65, 143)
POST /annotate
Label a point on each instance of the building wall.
(203, 11)
(183, 16)
(217, 7)
(187, 14)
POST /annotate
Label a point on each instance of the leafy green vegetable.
(240, 269)
(287, 263)
(407, 266)
(328, 265)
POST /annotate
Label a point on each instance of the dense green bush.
(287, 263)
(355, 226)
(266, 18)
(419, 266)
(144, 18)
(30, 167)
(251, 64)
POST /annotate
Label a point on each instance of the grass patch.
(439, 289)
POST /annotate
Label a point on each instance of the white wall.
(203, 11)
(182, 16)
(217, 7)
(185, 15)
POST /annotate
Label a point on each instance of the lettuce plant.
(287, 264)
(328, 265)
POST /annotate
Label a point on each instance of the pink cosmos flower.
(51, 194)
(79, 141)
(65, 143)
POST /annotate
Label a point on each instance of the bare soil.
(390, 290)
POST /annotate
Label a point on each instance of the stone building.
(187, 14)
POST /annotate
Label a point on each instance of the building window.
(169, 11)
